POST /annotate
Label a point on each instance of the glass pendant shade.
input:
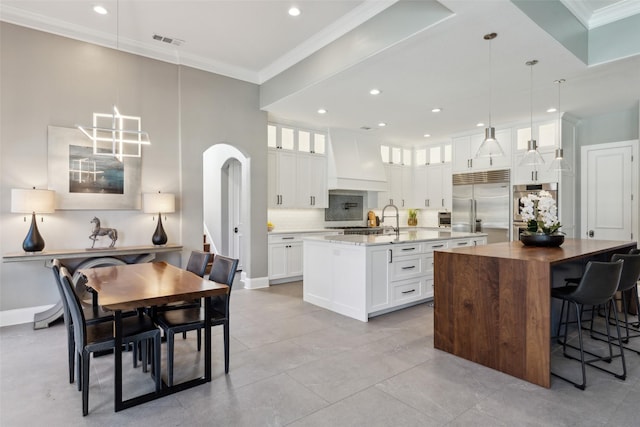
(559, 164)
(532, 157)
(490, 146)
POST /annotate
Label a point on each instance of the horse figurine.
(98, 231)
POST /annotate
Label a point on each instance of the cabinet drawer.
(406, 250)
(285, 238)
(407, 291)
(406, 267)
(432, 246)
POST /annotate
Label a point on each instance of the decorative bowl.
(541, 239)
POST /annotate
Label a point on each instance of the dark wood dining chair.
(172, 322)
(90, 338)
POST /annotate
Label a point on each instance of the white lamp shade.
(159, 202)
(32, 200)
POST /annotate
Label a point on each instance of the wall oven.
(521, 191)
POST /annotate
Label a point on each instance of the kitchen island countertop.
(404, 237)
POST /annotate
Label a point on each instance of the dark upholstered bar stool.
(596, 287)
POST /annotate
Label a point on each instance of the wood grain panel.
(492, 302)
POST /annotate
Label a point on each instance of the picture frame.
(83, 180)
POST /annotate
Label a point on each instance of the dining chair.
(90, 338)
(597, 286)
(92, 316)
(172, 322)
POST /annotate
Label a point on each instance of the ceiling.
(445, 65)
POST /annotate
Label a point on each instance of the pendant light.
(114, 134)
(532, 157)
(490, 147)
(559, 164)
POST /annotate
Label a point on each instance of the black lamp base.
(34, 241)
(159, 237)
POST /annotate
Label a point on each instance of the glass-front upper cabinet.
(545, 134)
(291, 138)
(394, 155)
(433, 154)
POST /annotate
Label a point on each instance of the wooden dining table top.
(130, 286)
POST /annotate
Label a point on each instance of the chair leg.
(624, 364)
(226, 347)
(170, 350)
(156, 361)
(144, 345)
(79, 369)
(560, 322)
(581, 386)
(71, 349)
(199, 339)
(86, 357)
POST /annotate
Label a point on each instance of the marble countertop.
(404, 237)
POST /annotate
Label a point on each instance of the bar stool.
(596, 287)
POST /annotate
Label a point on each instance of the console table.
(99, 257)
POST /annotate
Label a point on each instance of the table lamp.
(159, 203)
(32, 201)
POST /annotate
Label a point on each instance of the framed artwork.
(84, 180)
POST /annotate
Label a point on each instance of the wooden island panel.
(493, 302)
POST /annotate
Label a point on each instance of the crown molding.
(77, 32)
(606, 15)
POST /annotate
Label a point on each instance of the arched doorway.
(226, 202)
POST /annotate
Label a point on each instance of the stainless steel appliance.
(444, 219)
(520, 191)
(481, 203)
(360, 230)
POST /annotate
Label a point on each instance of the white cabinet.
(433, 188)
(378, 274)
(465, 148)
(281, 178)
(400, 187)
(312, 181)
(530, 174)
(285, 256)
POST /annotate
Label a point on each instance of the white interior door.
(609, 181)
(234, 214)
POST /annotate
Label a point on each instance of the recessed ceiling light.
(436, 110)
(552, 110)
(322, 111)
(294, 11)
(375, 91)
(100, 10)
(480, 124)
(427, 135)
(382, 124)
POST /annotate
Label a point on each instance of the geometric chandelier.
(116, 135)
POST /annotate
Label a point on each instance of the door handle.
(590, 233)
(235, 229)
(411, 267)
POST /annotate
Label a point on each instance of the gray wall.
(616, 126)
(50, 80)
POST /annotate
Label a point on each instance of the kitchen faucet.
(397, 227)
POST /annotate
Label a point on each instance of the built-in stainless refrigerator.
(481, 203)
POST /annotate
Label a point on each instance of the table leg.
(207, 339)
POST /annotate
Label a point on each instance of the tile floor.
(294, 364)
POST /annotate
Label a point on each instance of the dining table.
(138, 286)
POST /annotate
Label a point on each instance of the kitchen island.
(493, 302)
(361, 276)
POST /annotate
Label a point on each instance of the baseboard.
(21, 315)
(255, 282)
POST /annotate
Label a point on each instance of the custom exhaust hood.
(354, 162)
